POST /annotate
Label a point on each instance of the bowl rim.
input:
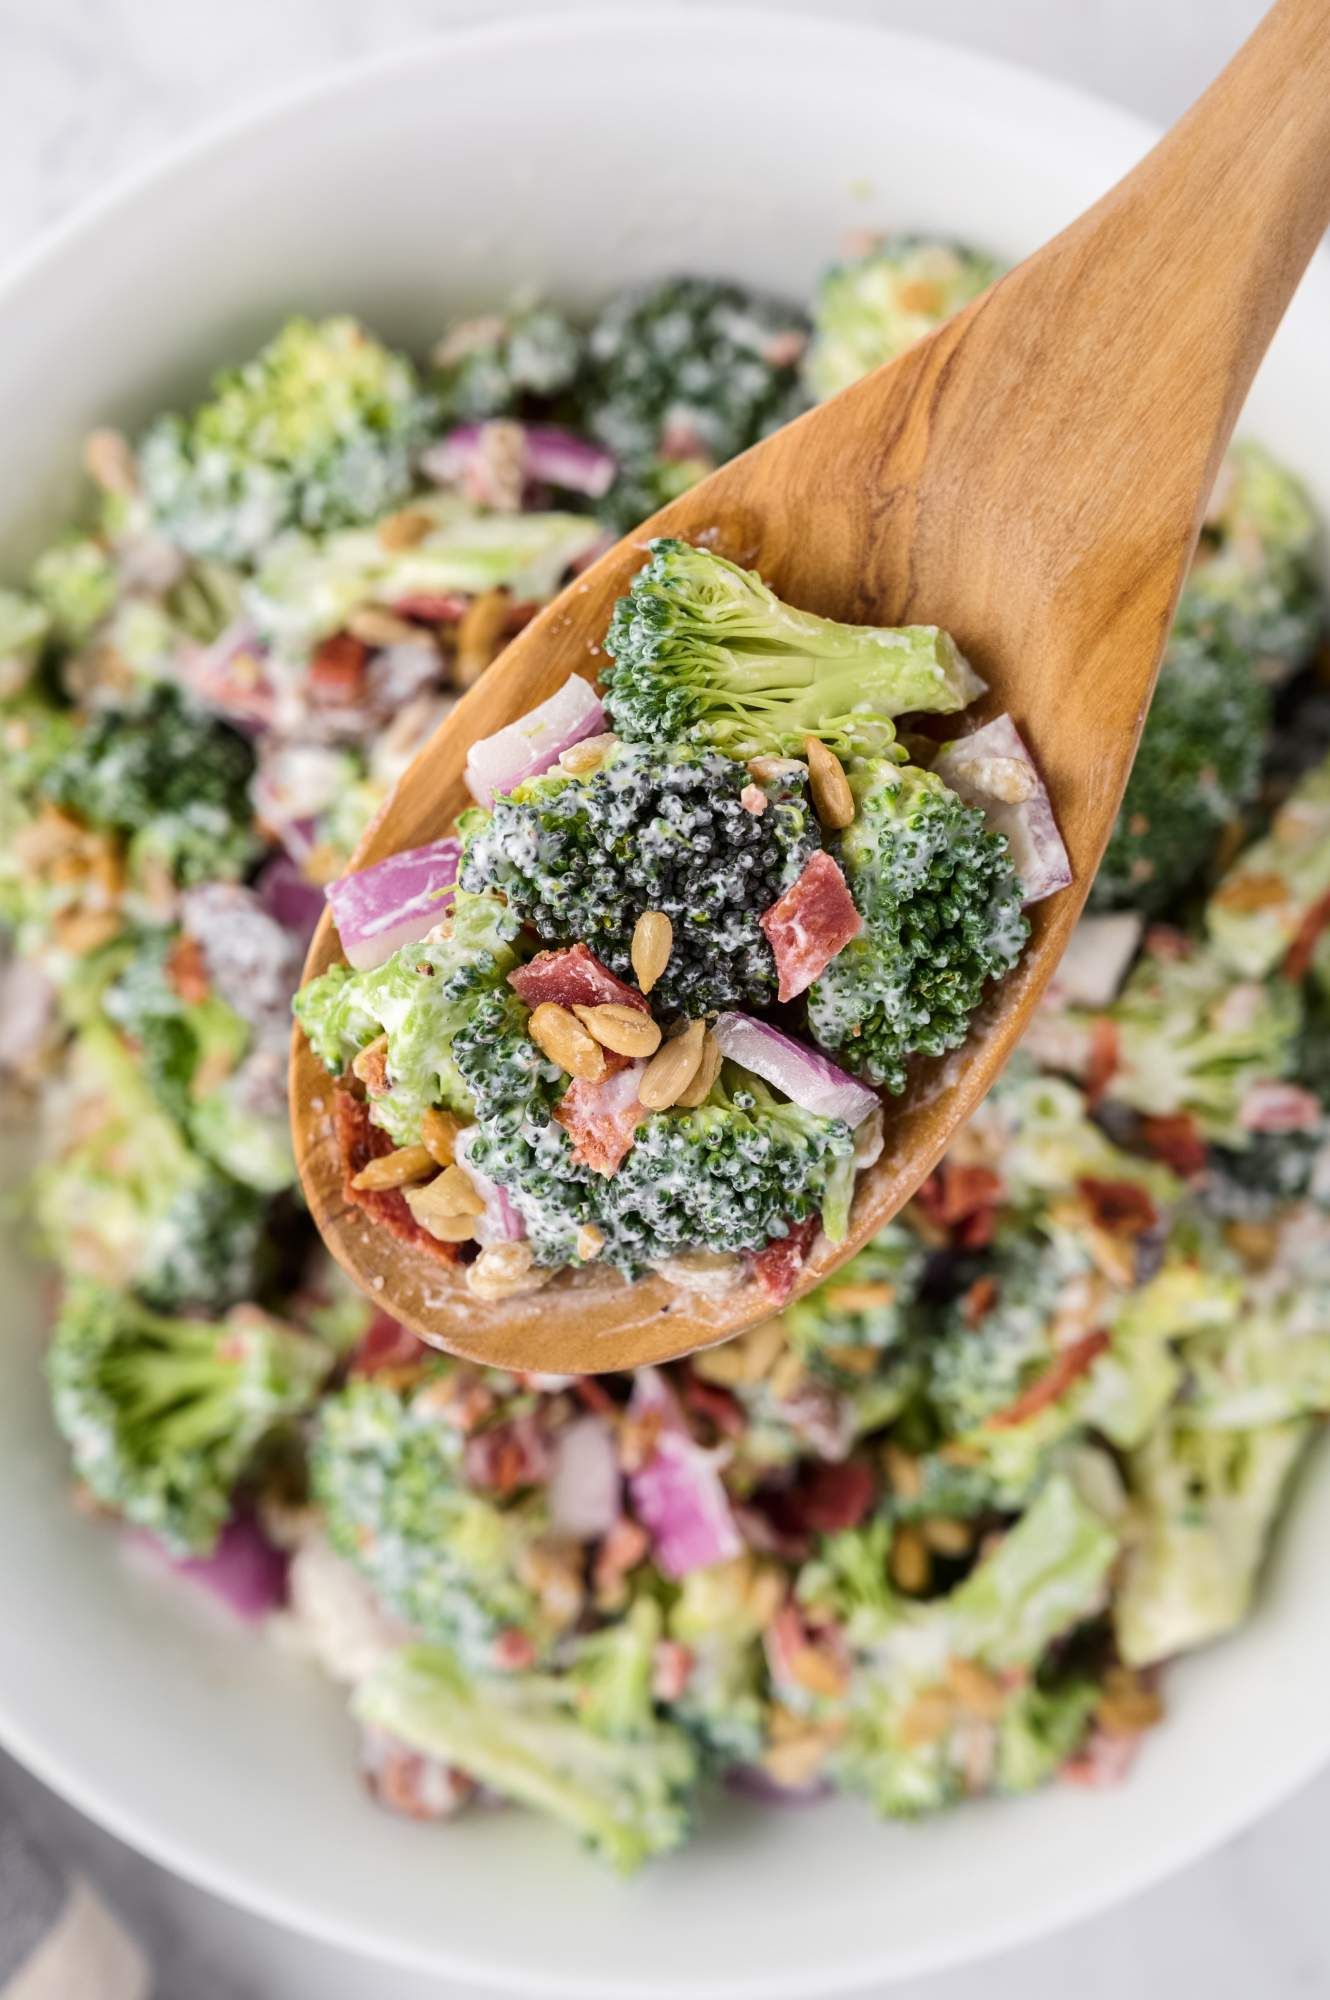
(188, 1859)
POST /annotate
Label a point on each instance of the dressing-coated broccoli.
(868, 1305)
(941, 904)
(657, 827)
(704, 651)
(626, 1792)
(173, 782)
(164, 1415)
(388, 1471)
(76, 584)
(682, 375)
(319, 430)
(513, 364)
(870, 310)
(1198, 765)
(24, 627)
(1254, 583)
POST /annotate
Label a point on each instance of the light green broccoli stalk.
(512, 364)
(941, 904)
(319, 430)
(704, 651)
(656, 827)
(1277, 884)
(307, 586)
(24, 627)
(420, 996)
(1197, 767)
(868, 311)
(1270, 1361)
(165, 1415)
(123, 1198)
(75, 583)
(387, 1468)
(622, 1782)
(1254, 581)
(1204, 1504)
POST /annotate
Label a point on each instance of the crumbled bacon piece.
(626, 1545)
(1175, 1139)
(187, 970)
(709, 1400)
(1069, 1365)
(1102, 1065)
(1297, 962)
(1123, 1208)
(337, 670)
(1102, 1760)
(828, 1498)
(602, 1118)
(671, 1669)
(777, 1265)
(386, 1347)
(432, 607)
(1279, 1107)
(572, 977)
(508, 1456)
(359, 1142)
(962, 1199)
(408, 1782)
(809, 924)
(513, 1651)
(979, 1300)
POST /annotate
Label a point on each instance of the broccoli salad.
(928, 1532)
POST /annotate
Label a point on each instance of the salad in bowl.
(930, 1532)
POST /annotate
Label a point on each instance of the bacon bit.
(1121, 1207)
(1053, 1383)
(776, 1266)
(671, 1669)
(979, 1300)
(337, 671)
(1166, 941)
(602, 1118)
(593, 1395)
(572, 977)
(431, 607)
(962, 1199)
(406, 1781)
(753, 800)
(1176, 1140)
(782, 350)
(508, 1456)
(718, 1406)
(513, 1652)
(807, 926)
(386, 1347)
(624, 1547)
(1103, 1062)
(829, 1497)
(1103, 1760)
(187, 970)
(359, 1142)
(813, 1662)
(1278, 1107)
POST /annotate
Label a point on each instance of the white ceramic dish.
(573, 154)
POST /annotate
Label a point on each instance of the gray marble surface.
(91, 87)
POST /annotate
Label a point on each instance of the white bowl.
(572, 153)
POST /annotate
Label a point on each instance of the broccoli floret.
(127, 1201)
(319, 430)
(164, 1415)
(388, 1470)
(867, 312)
(657, 827)
(869, 1304)
(681, 375)
(730, 1175)
(514, 364)
(525, 1736)
(979, 1365)
(1198, 766)
(721, 1614)
(174, 782)
(704, 652)
(24, 627)
(76, 584)
(941, 904)
(1254, 582)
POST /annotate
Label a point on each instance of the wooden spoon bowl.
(1030, 477)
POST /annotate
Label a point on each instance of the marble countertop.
(91, 87)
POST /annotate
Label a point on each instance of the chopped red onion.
(231, 677)
(530, 745)
(992, 769)
(583, 1490)
(290, 898)
(245, 1570)
(377, 910)
(751, 1782)
(678, 1495)
(502, 1221)
(551, 456)
(808, 1079)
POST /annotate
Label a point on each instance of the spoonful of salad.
(687, 942)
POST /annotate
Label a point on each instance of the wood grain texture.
(1031, 477)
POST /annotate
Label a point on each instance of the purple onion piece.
(678, 1495)
(245, 1570)
(551, 456)
(290, 898)
(501, 1221)
(808, 1079)
(379, 909)
(992, 769)
(525, 748)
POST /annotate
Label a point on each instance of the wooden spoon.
(1031, 477)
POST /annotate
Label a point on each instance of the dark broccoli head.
(173, 781)
(1197, 767)
(991, 1341)
(173, 1035)
(941, 904)
(515, 364)
(388, 1471)
(318, 431)
(704, 651)
(870, 1303)
(657, 827)
(1254, 584)
(682, 375)
(215, 1246)
(164, 1415)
